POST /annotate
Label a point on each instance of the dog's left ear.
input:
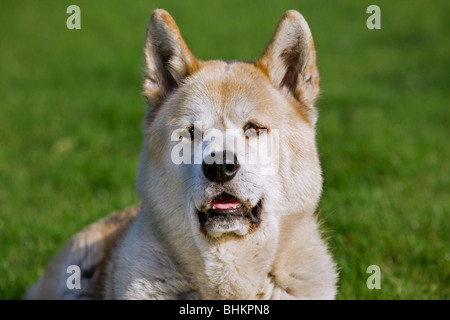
(290, 61)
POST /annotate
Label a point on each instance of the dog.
(212, 224)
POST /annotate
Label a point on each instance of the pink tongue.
(224, 201)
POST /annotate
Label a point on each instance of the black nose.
(222, 172)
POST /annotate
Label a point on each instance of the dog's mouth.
(227, 214)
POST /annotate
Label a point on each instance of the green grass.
(70, 127)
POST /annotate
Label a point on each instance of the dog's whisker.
(192, 185)
(188, 179)
(246, 181)
(170, 213)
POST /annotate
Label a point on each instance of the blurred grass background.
(70, 127)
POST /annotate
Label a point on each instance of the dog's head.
(229, 145)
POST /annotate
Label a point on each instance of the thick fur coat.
(214, 231)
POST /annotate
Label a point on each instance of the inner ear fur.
(167, 58)
(289, 60)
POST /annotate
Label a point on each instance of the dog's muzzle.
(226, 209)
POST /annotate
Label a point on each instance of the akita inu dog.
(219, 227)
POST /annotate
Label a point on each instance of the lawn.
(70, 127)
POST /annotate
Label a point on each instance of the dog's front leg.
(293, 287)
(271, 290)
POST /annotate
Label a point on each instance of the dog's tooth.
(214, 207)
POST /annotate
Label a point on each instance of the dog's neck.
(235, 269)
(265, 264)
(228, 267)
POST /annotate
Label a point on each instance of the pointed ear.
(290, 61)
(168, 60)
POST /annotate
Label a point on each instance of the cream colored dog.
(219, 227)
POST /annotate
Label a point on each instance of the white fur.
(163, 254)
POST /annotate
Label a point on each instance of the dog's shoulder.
(76, 272)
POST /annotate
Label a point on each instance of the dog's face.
(229, 146)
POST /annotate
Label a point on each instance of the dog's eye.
(251, 130)
(187, 134)
(191, 131)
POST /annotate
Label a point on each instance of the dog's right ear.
(290, 61)
(168, 60)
